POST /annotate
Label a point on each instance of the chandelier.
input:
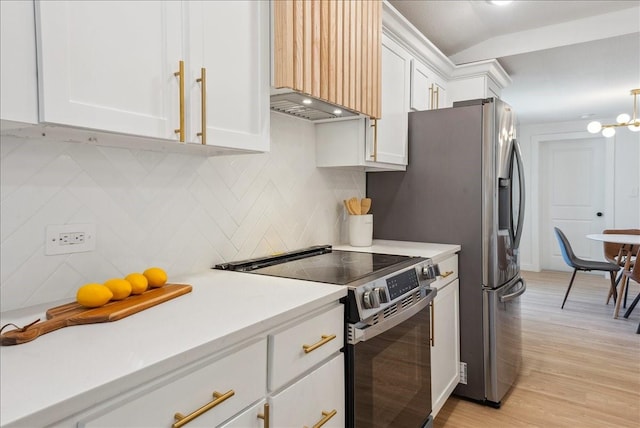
(633, 123)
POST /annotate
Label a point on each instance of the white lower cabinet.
(297, 369)
(222, 389)
(253, 417)
(316, 398)
(297, 348)
(445, 348)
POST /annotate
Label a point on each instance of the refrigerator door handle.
(508, 297)
(518, 232)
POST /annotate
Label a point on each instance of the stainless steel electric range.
(387, 354)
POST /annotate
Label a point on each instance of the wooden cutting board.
(75, 314)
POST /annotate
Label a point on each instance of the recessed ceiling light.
(306, 101)
(500, 2)
(586, 115)
(337, 111)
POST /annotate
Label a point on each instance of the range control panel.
(383, 292)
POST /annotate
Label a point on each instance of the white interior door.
(572, 181)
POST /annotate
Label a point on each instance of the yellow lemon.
(156, 277)
(93, 295)
(138, 282)
(121, 288)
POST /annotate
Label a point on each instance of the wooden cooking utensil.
(354, 204)
(346, 205)
(365, 205)
(75, 314)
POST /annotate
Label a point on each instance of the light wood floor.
(581, 368)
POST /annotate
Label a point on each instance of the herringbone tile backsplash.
(182, 212)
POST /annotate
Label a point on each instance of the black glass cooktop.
(330, 266)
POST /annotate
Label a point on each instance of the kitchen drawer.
(287, 356)
(318, 395)
(448, 272)
(250, 418)
(243, 372)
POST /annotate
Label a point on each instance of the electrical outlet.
(70, 238)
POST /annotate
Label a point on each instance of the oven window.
(392, 376)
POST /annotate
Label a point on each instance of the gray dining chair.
(579, 264)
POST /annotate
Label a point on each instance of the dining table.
(630, 244)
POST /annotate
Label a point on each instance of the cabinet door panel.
(392, 128)
(303, 403)
(249, 418)
(421, 89)
(243, 372)
(230, 40)
(288, 358)
(109, 65)
(445, 352)
(18, 90)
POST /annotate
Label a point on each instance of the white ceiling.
(567, 59)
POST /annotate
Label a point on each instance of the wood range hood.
(327, 58)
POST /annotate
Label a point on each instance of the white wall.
(620, 172)
(182, 212)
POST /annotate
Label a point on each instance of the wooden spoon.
(354, 204)
(365, 205)
(346, 205)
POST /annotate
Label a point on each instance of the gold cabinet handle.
(203, 104)
(218, 398)
(446, 274)
(180, 75)
(325, 339)
(265, 415)
(433, 324)
(374, 125)
(431, 100)
(325, 418)
(437, 96)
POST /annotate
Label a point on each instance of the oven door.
(389, 372)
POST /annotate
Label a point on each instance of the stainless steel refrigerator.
(464, 185)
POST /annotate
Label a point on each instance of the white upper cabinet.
(482, 79)
(110, 65)
(391, 144)
(18, 87)
(230, 41)
(427, 90)
(115, 66)
(375, 145)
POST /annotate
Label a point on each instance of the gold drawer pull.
(325, 338)
(217, 399)
(265, 415)
(325, 418)
(446, 274)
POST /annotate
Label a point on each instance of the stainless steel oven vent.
(305, 107)
(390, 311)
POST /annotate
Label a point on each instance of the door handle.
(518, 231)
(508, 297)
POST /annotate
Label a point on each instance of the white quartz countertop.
(71, 369)
(436, 252)
(68, 370)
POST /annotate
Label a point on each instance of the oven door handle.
(363, 334)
